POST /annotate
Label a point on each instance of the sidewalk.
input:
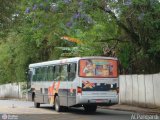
(133, 109)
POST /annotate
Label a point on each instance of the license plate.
(99, 101)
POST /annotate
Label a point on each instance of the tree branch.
(132, 34)
(117, 39)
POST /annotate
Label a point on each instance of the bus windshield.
(98, 68)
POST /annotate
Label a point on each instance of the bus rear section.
(98, 80)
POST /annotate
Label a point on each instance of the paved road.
(23, 110)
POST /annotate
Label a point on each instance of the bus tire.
(90, 108)
(57, 104)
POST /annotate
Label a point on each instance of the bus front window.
(98, 68)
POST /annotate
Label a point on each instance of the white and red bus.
(75, 82)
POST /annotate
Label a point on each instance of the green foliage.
(8, 14)
(131, 30)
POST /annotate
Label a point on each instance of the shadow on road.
(77, 114)
(80, 111)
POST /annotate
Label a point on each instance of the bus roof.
(67, 60)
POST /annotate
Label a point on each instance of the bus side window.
(44, 73)
(39, 74)
(57, 73)
(72, 71)
(64, 73)
(51, 73)
(34, 75)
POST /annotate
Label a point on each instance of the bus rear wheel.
(57, 104)
(90, 108)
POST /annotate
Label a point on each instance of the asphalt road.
(24, 110)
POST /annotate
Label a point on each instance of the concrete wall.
(122, 87)
(13, 90)
(140, 90)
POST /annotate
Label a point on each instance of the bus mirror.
(27, 73)
(27, 76)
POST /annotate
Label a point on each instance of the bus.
(85, 82)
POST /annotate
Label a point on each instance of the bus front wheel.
(57, 104)
(90, 108)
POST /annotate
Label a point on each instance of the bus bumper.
(97, 100)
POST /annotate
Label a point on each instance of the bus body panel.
(66, 92)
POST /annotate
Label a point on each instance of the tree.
(7, 14)
(127, 29)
